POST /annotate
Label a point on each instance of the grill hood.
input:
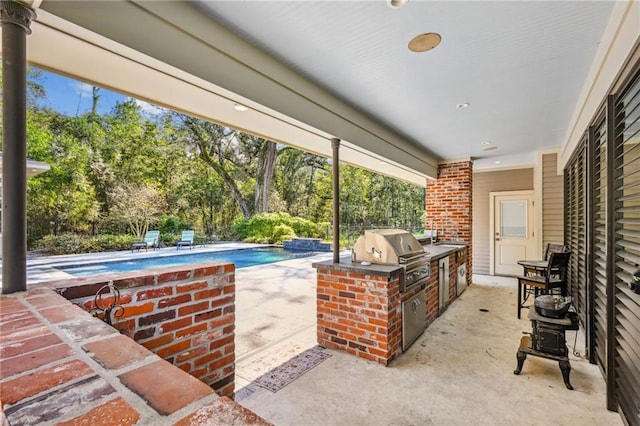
(389, 246)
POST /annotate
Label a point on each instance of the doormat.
(294, 368)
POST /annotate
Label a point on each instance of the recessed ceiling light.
(463, 105)
(498, 162)
(490, 148)
(383, 162)
(424, 42)
(485, 143)
(239, 107)
(397, 4)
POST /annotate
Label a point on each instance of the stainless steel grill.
(394, 247)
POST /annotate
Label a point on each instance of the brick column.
(450, 206)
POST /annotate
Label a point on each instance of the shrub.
(60, 244)
(169, 238)
(271, 228)
(74, 243)
(173, 225)
(282, 233)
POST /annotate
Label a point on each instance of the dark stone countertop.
(435, 252)
(438, 251)
(346, 265)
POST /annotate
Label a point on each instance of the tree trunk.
(266, 165)
(208, 151)
(235, 191)
(95, 99)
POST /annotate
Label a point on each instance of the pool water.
(241, 257)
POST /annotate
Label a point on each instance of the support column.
(15, 19)
(335, 145)
(450, 206)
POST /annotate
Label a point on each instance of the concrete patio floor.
(459, 372)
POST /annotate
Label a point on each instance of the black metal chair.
(551, 279)
(549, 249)
(554, 248)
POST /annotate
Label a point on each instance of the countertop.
(435, 251)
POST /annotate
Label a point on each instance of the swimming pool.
(241, 257)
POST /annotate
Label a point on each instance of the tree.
(105, 166)
(139, 205)
(298, 176)
(238, 158)
(265, 153)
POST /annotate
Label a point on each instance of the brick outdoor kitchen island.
(359, 308)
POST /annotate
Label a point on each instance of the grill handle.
(404, 260)
(416, 283)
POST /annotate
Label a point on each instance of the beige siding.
(552, 201)
(483, 184)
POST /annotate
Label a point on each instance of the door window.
(513, 219)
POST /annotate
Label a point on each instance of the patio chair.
(554, 248)
(186, 240)
(550, 248)
(553, 278)
(151, 239)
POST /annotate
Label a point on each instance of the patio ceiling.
(309, 71)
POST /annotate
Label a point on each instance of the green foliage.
(369, 200)
(60, 244)
(273, 228)
(282, 233)
(200, 239)
(138, 204)
(169, 238)
(173, 225)
(126, 171)
(74, 243)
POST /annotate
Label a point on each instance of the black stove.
(547, 340)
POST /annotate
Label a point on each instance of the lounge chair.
(151, 239)
(186, 240)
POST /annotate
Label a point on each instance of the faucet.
(433, 236)
(454, 230)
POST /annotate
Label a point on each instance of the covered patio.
(553, 80)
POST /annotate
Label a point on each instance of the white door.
(513, 236)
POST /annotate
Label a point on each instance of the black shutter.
(626, 303)
(598, 347)
(576, 231)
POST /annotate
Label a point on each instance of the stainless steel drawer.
(414, 319)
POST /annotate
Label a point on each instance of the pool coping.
(44, 268)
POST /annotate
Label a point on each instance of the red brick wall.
(360, 314)
(185, 316)
(450, 207)
(45, 377)
(432, 293)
